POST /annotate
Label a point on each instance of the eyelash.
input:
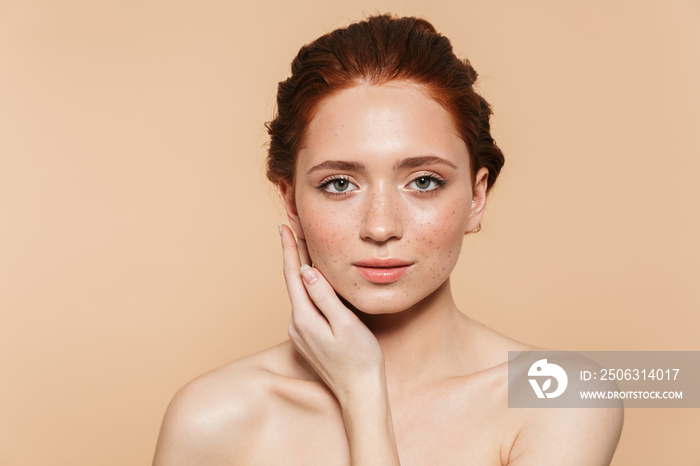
(327, 181)
(432, 177)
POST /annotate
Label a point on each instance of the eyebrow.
(409, 162)
(415, 162)
(342, 165)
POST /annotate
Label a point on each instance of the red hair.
(376, 51)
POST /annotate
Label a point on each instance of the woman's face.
(383, 195)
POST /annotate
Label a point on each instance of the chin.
(383, 301)
(360, 306)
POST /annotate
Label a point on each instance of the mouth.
(382, 271)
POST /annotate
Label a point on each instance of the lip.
(382, 271)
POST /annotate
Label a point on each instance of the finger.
(324, 297)
(304, 312)
(291, 264)
(303, 250)
(290, 256)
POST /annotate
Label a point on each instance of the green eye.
(340, 185)
(426, 183)
(337, 186)
(423, 182)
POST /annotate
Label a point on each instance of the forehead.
(381, 123)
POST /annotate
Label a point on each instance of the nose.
(382, 217)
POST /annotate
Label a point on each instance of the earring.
(475, 230)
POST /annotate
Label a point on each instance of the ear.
(478, 205)
(290, 206)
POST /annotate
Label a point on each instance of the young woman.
(382, 152)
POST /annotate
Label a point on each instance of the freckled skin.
(382, 214)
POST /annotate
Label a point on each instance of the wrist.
(366, 390)
(368, 423)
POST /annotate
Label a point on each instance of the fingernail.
(308, 274)
(279, 227)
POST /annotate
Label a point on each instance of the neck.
(420, 343)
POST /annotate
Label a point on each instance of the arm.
(183, 437)
(344, 353)
(369, 426)
(215, 419)
(188, 434)
(568, 437)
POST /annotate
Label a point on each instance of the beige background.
(138, 238)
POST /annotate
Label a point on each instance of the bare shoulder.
(568, 436)
(585, 436)
(561, 436)
(205, 418)
(215, 418)
(564, 435)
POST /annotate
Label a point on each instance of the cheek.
(434, 234)
(442, 229)
(325, 232)
(439, 241)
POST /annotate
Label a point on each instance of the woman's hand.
(341, 349)
(344, 353)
